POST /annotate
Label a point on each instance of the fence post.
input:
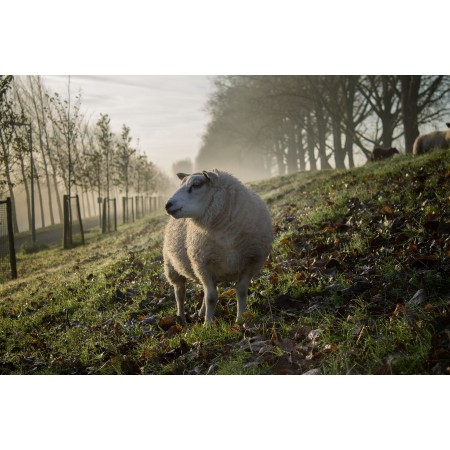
(99, 202)
(79, 219)
(107, 225)
(12, 249)
(115, 215)
(66, 221)
(104, 216)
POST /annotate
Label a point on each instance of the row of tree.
(268, 125)
(70, 154)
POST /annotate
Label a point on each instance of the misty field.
(358, 282)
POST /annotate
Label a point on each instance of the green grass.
(351, 249)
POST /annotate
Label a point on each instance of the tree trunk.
(388, 129)
(27, 191)
(310, 144)
(40, 116)
(410, 85)
(291, 158)
(279, 154)
(301, 150)
(322, 138)
(387, 117)
(348, 148)
(88, 201)
(339, 153)
(83, 204)
(45, 148)
(350, 122)
(41, 146)
(41, 204)
(13, 201)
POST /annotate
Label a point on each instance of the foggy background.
(122, 136)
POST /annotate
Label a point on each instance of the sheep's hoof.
(181, 320)
(207, 323)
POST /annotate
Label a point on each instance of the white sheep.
(219, 231)
(435, 140)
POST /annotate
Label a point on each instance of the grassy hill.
(358, 282)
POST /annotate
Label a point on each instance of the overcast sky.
(166, 113)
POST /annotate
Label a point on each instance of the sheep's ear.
(212, 177)
(448, 124)
(182, 175)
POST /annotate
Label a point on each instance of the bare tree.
(422, 100)
(66, 120)
(105, 142)
(381, 93)
(8, 156)
(123, 159)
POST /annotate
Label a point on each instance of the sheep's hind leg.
(180, 296)
(179, 286)
(242, 292)
(202, 309)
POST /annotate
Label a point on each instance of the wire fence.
(8, 268)
(127, 209)
(139, 202)
(154, 203)
(109, 222)
(136, 207)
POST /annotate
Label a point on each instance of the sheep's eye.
(195, 185)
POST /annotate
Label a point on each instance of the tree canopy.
(272, 125)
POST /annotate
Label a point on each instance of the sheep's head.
(192, 198)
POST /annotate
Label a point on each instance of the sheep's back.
(240, 244)
(432, 141)
(241, 237)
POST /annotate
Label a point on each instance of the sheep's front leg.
(209, 302)
(242, 292)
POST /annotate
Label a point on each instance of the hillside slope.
(357, 282)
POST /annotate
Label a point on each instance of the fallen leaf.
(166, 322)
(357, 288)
(315, 371)
(387, 210)
(173, 330)
(229, 293)
(313, 335)
(284, 301)
(418, 298)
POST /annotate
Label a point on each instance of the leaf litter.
(347, 272)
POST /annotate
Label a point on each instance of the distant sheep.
(436, 140)
(380, 153)
(219, 231)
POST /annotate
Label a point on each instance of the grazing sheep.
(436, 140)
(219, 231)
(380, 153)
